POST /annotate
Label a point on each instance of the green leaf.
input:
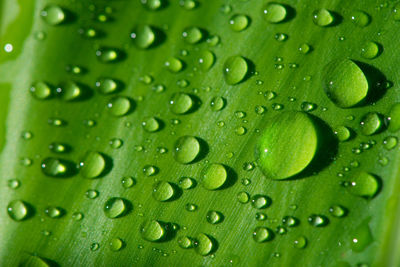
(128, 132)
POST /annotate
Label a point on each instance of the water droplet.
(151, 124)
(143, 36)
(214, 176)
(300, 242)
(187, 183)
(185, 242)
(91, 194)
(345, 83)
(53, 15)
(235, 69)
(307, 106)
(361, 237)
(360, 18)
(192, 35)
(186, 149)
(274, 12)
(281, 37)
(94, 246)
(41, 90)
(70, 91)
(261, 216)
(213, 40)
(77, 216)
(116, 244)
(323, 17)
(150, 170)
(370, 50)
(260, 201)
(152, 230)
(304, 48)
(206, 60)
(191, 207)
(259, 109)
(371, 123)
(54, 212)
(390, 142)
(152, 5)
(188, 4)
(92, 165)
(108, 55)
(243, 197)
(116, 207)
(337, 211)
(18, 210)
(240, 130)
(174, 64)
(217, 103)
(290, 221)
(214, 217)
(239, 22)
(278, 163)
(342, 133)
(364, 184)
(269, 95)
(163, 191)
(88, 32)
(119, 106)
(106, 86)
(13, 183)
(262, 234)
(181, 103)
(55, 167)
(204, 244)
(318, 220)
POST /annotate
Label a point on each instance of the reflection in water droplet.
(239, 22)
(181, 103)
(192, 35)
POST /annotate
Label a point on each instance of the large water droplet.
(204, 244)
(192, 35)
(323, 17)
(119, 106)
(163, 191)
(345, 83)
(55, 167)
(206, 60)
(364, 184)
(116, 207)
(239, 22)
(152, 230)
(53, 15)
(371, 123)
(214, 176)
(181, 103)
(151, 124)
(370, 50)
(361, 237)
(41, 90)
(287, 145)
(235, 69)
(360, 18)
(274, 12)
(92, 165)
(106, 85)
(262, 234)
(143, 36)
(186, 149)
(18, 210)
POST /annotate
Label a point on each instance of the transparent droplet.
(191, 207)
(235, 69)
(77, 216)
(262, 234)
(152, 230)
(151, 124)
(360, 18)
(239, 22)
(260, 201)
(214, 217)
(307, 106)
(304, 48)
(94, 246)
(278, 163)
(70, 91)
(18, 210)
(116, 143)
(281, 37)
(337, 211)
(119, 106)
(153, 5)
(91, 194)
(217, 103)
(192, 35)
(259, 109)
(181, 103)
(186, 149)
(174, 64)
(261, 216)
(116, 244)
(390, 142)
(188, 4)
(206, 60)
(214, 176)
(116, 207)
(240, 130)
(345, 83)
(150, 170)
(13, 183)
(274, 12)
(185, 242)
(300, 242)
(323, 17)
(204, 244)
(243, 197)
(361, 237)
(370, 50)
(364, 184)
(54, 212)
(318, 220)
(107, 55)
(41, 90)
(143, 36)
(290, 221)
(371, 123)
(342, 133)
(92, 165)
(53, 15)
(106, 85)
(163, 191)
(55, 167)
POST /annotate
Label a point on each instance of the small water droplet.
(116, 244)
(186, 149)
(41, 90)
(323, 17)
(239, 22)
(342, 133)
(235, 69)
(260, 201)
(371, 123)
(116, 207)
(91, 194)
(390, 142)
(274, 12)
(262, 234)
(108, 55)
(214, 217)
(364, 184)
(143, 36)
(192, 35)
(54, 212)
(18, 210)
(214, 176)
(370, 50)
(300, 242)
(106, 85)
(181, 103)
(185, 242)
(152, 230)
(93, 165)
(243, 197)
(119, 106)
(163, 191)
(337, 211)
(360, 18)
(53, 15)
(318, 220)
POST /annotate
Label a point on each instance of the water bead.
(235, 69)
(360, 18)
(163, 191)
(394, 118)
(364, 184)
(192, 35)
(274, 12)
(92, 165)
(143, 36)
(239, 22)
(204, 244)
(337, 211)
(116, 244)
(152, 230)
(53, 15)
(186, 149)
(187, 183)
(116, 207)
(106, 86)
(296, 132)
(153, 5)
(55, 167)
(214, 176)
(54, 212)
(260, 201)
(371, 123)
(108, 55)
(119, 106)
(323, 17)
(390, 142)
(128, 181)
(41, 90)
(262, 234)
(18, 210)
(185, 242)
(318, 220)
(174, 64)
(370, 50)
(181, 103)
(217, 103)
(206, 60)
(300, 242)
(342, 133)
(214, 217)
(345, 83)
(243, 197)
(151, 124)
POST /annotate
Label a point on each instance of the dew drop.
(361, 237)
(192, 35)
(116, 207)
(300, 242)
(217, 103)
(174, 64)
(116, 143)
(152, 230)
(150, 170)
(214, 176)
(116, 244)
(18, 210)
(163, 191)
(185, 242)
(364, 184)
(204, 244)
(55, 167)
(260, 201)
(206, 60)
(304, 48)
(318, 220)
(107, 55)
(214, 217)
(151, 124)
(323, 17)
(143, 36)
(181, 103)
(235, 69)
(187, 183)
(239, 22)
(360, 18)
(371, 123)
(53, 15)
(278, 163)
(274, 12)
(70, 91)
(106, 86)
(152, 5)
(41, 90)
(92, 165)
(262, 234)
(54, 212)
(243, 197)
(342, 133)
(345, 83)
(119, 106)
(13, 183)
(370, 50)
(91, 194)
(186, 149)
(390, 142)
(337, 211)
